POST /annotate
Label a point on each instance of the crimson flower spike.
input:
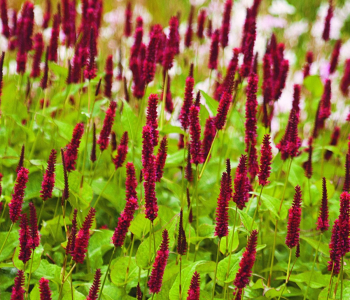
(181, 238)
(155, 281)
(161, 158)
(345, 81)
(229, 177)
(322, 221)
(325, 106)
(45, 292)
(209, 135)
(1, 176)
(171, 43)
(221, 227)
(296, 98)
(18, 289)
(34, 232)
(188, 169)
(94, 289)
(25, 240)
(48, 182)
(150, 189)
(188, 99)
(15, 206)
(209, 28)
(138, 292)
(21, 159)
(334, 141)
(225, 27)
(200, 23)
(44, 79)
(151, 117)
(122, 151)
(189, 31)
(335, 57)
(344, 226)
(73, 233)
(282, 79)
(195, 134)
(93, 148)
(249, 48)
(247, 262)
(309, 61)
(90, 71)
(54, 38)
(224, 105)
(308, 164)
(1, 74)
(108, 77)
(71, 152)
(103, 140)
(113, 141)
(294, 218)
(128, 16)
(131, 181)
(214, 50)
(241, 184)
(194, 290)
(39, 49)
(227, 84)
(335, 249)
(327, 22)
(265, 161)
(82, 239)
(4, 18)
(65, 193)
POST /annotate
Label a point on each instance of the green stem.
(257, 207)
(93, 173)
(216, 268)
(330, 282)
(208, 156)
(288, 274)
(30, 273)
(180, 292)
(342, 277)
(110, 178)
(104, 280)
(313, 266)
(127, 269)
(41, 211)
(162, 114)
(197, 208)
(7, 236)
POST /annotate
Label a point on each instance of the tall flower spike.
(171, 43)
(214, 50)
(71, 152)
(296, 98)
(155, 281)
(327, 22)
(345, 81)
(103, 140)
(65, 193)
(94, 289)
(18, 288)
(93, 148)
(138, 292)
(39, 49)
(15, 206)
(195, 134)
(308, 164)
(334, 141)
(4, 18)
(109, 76)
(322, 221)
(248, 49)
(161, 158)
(150, 189)
(335, 57)
(247, 262)
(225, 27)
(147, 148)
(128, 16)
(2, 58)
(188, 99)
(181, 238)
(344, 226)
(21, 159)
(335, 249)
(221, 226)
(45, 78)
(122, 151)
(265, 161)
(90, 71)
(325, 107)
(131, 181)
(73, 234)
(25, 240)
(189, 31)
(151, 117)
(188, 169)
(346, 187)
(54, 38)
(209, 135)
(200, 23)
(82, 239)
(241, 184)
(113, 141)
(48, 182)
(282, 79)
(224, 105)
(194, 290)
(229, 178)
(309, 61)
(34, 232)
(45, 292)
(47, 14)
(294, 218)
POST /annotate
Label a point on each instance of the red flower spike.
(335, 57)
(327, 22)
(138, 292)
(200, 23)
(335, 250)
(195, 134)
(325, 107)
(189, 31)
(4, 18)
(109, 76)
(103, 140)
(237, 294)
(294, 218)
(225, 27)
(15, 206)
(334, 141)
(39, 49)
(122, 151)
(45, 292)
(21, 159)
(2, 58)
(282, 79)
(181, 238)
(71, 152)
(93, 149)
(18, 288)
(221, 227)
(297, 251)
(214, 50)
(265, 161)
(296, 98)
(228, 82)
(25, 240)
(171, 43)
(194, 290)
(113, 141)
(151, 117)
(248, 48)
(322, 221)
(308, 164)
(34, 232)
(253, 166)
(131, 181)
(188, 169)
(73, 234)
(250, 113)
(309, 61)
(241, 184)
(156, 278)
(345, 81)
(224, 105)
(54, 38)
(135, 49)
(150, 189)
(48, 182)
(94, 289)
(181, 142)
(247, 262)
(344, 226)
(210, 28)
(169, 105)
(147, 148)
(82, 238)
(47, 14)
(65, 193)
(90, 71)
(188, 100)
(44, 79)
(161, 158)
(209, 135)
(128, 16)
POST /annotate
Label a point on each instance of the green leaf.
(324, 248)
(99, 244)
(205, 231)
(11, 243)
(247, 220)
(171, 129)
(119, 271)
(234, 266)
(36, 262)
(229, 237)
(211, 103)
(129, 122)
(296, 175)
(140, 225)
(270, 203)
(175, 159)
(314, 85)
(318, 280)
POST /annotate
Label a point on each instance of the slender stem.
(342, 278)
(313, 266)
(7, 236)
(257, 207)
(287, 278)
(216, 268)
(180, 293)
(197, 207)
(30, 273)
(330, 282)
(110, 178)
(163, 100)
(104, 280)
(70, 272)
(127, 269)
(41, 211)
(208, 156)
(95, 167)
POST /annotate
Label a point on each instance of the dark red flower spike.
(327, 22)
(194, 290)
(225, 26)
(103, 140)
(48, 182)
(214, 50)
(25, 240)
(189, 31)
(122, 151)
(71, 152)
(294, 218)
(241, 184)
(188, 99)
(45, 292)
(322, 221)
(265, 161)
(15, 206)
(221, 226)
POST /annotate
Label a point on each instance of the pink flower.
(18, 288)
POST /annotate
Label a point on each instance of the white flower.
(281, 7)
